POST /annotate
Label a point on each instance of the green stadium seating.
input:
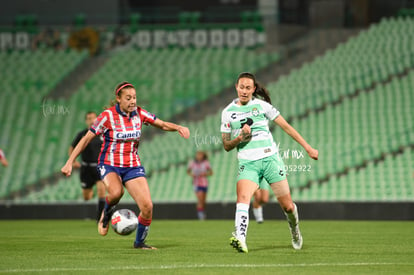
(390, 180)
(170, 80)
(353, 65)
(351, 135)
(31, 131)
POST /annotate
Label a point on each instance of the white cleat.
(297, 240)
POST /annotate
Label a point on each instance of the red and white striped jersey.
(199, 169)
(2, 154)
(121, 135)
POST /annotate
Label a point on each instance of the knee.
(117, 193)
(243, 198)
(147, 208)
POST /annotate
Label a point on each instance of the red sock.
(143, 221)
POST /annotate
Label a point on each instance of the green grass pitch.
(189, 247)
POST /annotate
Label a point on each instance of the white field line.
(192, 266)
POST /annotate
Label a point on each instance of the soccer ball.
(124, 222)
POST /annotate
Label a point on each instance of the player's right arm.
(67, 168)
(76, 163)
(244, 136)
(228, 143)
(189, 169)
(75, 142)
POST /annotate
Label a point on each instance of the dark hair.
(260, 92)
(89, 113)
(205, 156)
(113, 102)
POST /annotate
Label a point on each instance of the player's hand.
(184, 132)
(66, 170)
(246, 133)
(313, 153)
(76, 165)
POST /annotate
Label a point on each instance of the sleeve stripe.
(95, 128)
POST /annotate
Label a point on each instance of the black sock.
(101, 205)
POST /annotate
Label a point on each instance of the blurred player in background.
(260, 198)
(245, 126)
(3, 159)
(199, 169)
(89, 176)
(118, 163)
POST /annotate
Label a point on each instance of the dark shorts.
(200, 189)
(125, 173)
(88, 176)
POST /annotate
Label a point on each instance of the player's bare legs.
(115, 191)
(139, 191)
(201, 204)
(87, 193)
(261, 197)
(100, 187)
(101, 191)
(282, 193)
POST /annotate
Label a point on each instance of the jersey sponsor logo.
(247, 121)
(128, 135)
(243, 115)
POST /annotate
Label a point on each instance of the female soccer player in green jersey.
(244, 125)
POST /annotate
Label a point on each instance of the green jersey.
(256, 113)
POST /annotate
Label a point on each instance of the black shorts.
(88, 176)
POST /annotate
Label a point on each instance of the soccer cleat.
(144, 246)
(238, 245)
(297, 240)
(104, 221)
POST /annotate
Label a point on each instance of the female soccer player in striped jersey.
(118, 163)
(199, 169)
(244, 125)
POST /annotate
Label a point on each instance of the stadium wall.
(61, 12)
(308, 211)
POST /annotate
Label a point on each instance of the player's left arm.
(209, 172)
(171, 127)
(279, 120)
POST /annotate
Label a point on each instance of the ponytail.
(260, 92)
